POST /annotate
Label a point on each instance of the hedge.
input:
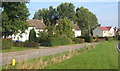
(87, 38)
(6, 44)
(25, 44)
(56, 41)
(99, 40)
(77, 40)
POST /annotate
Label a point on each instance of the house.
(117, 30)
(76, 30)
(38, 25)
(103, 32)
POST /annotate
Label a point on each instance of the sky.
(106, 12)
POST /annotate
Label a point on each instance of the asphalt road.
(118, 47)
(35, 53)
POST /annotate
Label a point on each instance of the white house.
(38, 25)
(103, 32)
(76, 30)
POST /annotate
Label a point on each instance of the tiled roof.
(105, 28)
(38, 24)
(75, 26)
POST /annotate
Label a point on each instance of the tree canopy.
(86, 20)
(67, 10)
(14, 16)
(49, 15)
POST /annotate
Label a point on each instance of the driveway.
(35, 53)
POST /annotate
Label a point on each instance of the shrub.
(99, 40)
(56, 41)
(77, 40)
(87, 38)
(25, 44)
(27, 41)
(32, 36)
(6, 44)
(109, 38)
(82, 40)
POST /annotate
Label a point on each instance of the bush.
(82, 40)
(32, 36)
(6, 44)
(99, 40)
(87, 38)
(25, 44)
(77, 40)
(56, 41)
(109, 38)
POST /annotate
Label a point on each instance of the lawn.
(104, 56)
(18, 49)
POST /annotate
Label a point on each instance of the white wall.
(25, 36)
(97, 32)
(101, 33)
(77, 32)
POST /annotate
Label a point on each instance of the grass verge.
(104, 56)
(18, 49)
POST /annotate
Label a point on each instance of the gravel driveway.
(34, 53)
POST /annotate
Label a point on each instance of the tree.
(64, 28)
(49, 15)
(32, 35)
(14, 16)
(67, 10)
(87, 21)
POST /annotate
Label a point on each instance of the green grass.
(104, 56)
(18, 49)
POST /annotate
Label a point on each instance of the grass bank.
(104, 56)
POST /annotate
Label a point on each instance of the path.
(34, 53)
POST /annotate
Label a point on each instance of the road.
(118, 47)
(35, 53)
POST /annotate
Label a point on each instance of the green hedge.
(6, 44)
(76, 40)
(56, 41)
(25, 44)
(87, 38)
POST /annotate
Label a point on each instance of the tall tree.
(64, 28)
(14, 16)
(32, 35)
(87, 21)
(49, 15)
(67, 10)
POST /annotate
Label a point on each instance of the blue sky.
(106, 12)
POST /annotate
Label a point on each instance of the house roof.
(75, 26)
(105, 28)
(38, 24)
